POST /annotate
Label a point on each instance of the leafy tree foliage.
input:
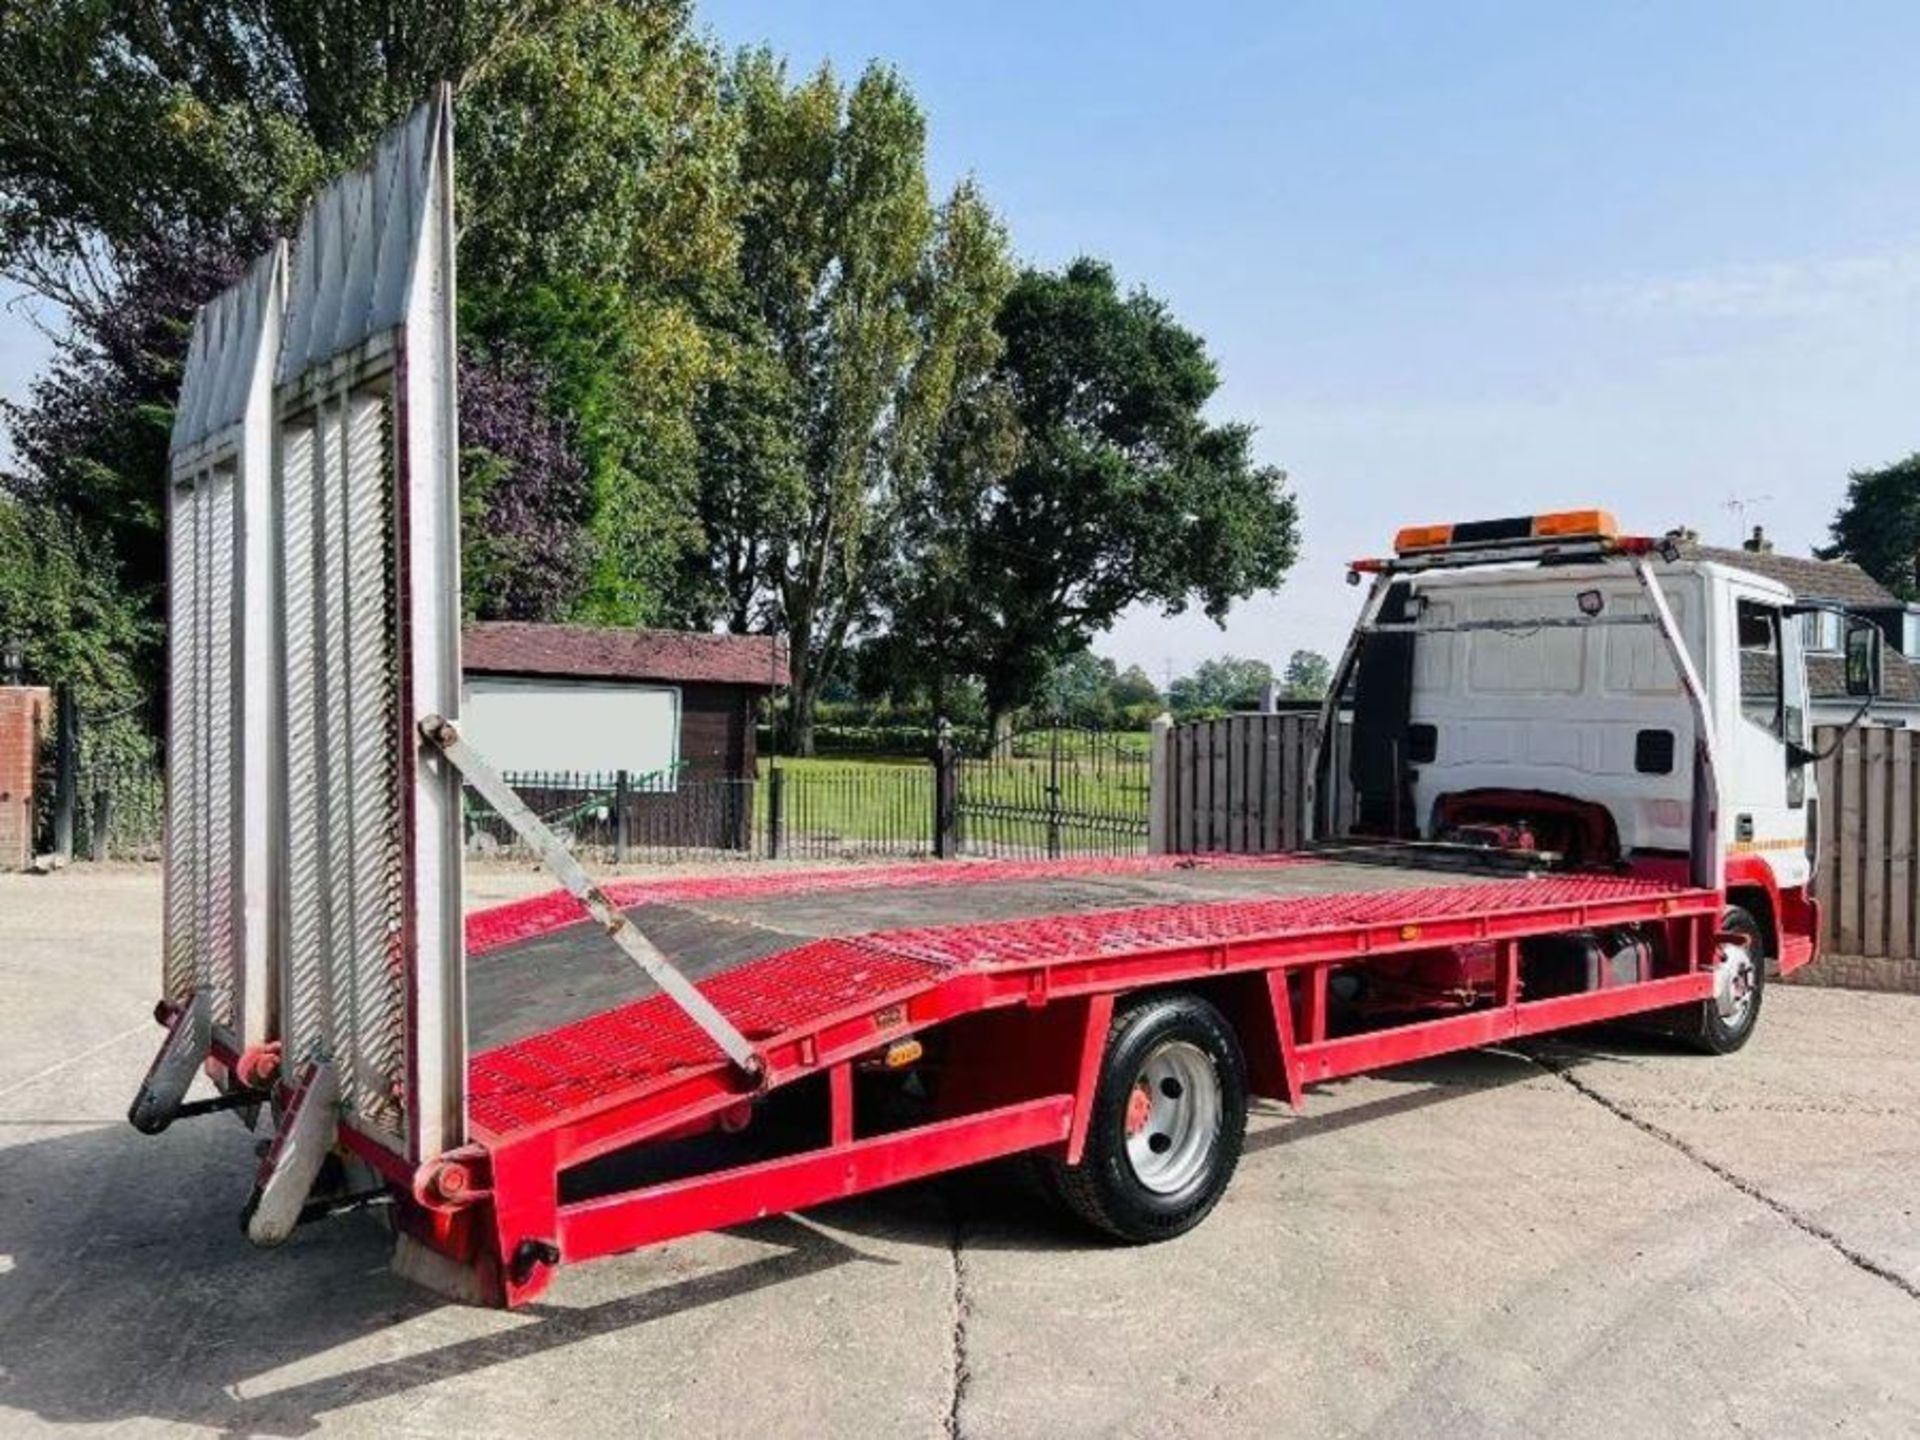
(1307, 676)
(1090, 690)
(61, 606)
(877, 312)
(1135, 694)
(1219, 686)
(1080, 690)
(1118, 492)
(524, 489)
(1878, 528)
(125, 129)
(728, 359)
(92, 436)
(144, 149)
(600, 186)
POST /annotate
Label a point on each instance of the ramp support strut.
(445, 735)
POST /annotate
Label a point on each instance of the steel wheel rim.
(1173, 1117)
(1733, 997)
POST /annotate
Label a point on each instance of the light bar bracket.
(1537, 550)
(1522, 624)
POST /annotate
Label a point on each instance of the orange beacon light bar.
(1514, 530)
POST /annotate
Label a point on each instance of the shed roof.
(513, 647)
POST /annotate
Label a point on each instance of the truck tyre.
(1169, 1119)
(1724, 1023)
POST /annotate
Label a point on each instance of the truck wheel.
(1727, 1018)
(1169, 1118)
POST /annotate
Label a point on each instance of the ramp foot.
(306, 1137)
(157, 1103)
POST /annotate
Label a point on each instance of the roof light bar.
(1558, 534)
(1513, 530)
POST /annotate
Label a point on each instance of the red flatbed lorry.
(1582, 789)
(1006, 995)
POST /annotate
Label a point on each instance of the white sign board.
(528, 726)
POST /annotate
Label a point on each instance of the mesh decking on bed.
(708, 926)
(558, 1014)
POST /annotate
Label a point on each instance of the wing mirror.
(1865, 658)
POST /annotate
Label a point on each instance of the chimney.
(1684, 535)
(1757, 543)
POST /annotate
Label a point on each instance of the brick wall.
(25, 712)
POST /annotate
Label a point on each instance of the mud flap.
(308, 1130)
(182, 1055)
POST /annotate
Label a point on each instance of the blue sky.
(1454, 259)
(1467, 258)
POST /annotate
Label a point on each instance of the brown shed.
(665, 704)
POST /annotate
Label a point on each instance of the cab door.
(1765, 813)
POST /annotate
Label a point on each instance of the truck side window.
(1760, 687)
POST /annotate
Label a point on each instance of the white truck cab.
(1513, 687)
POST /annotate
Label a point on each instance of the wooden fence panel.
(1870, 813)
(1901, 877)
(1875, 790)
(1240, 784)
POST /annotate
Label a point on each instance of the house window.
(1820, 632)
(1760, 689)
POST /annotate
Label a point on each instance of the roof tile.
(1827, 678)
(1838, 580)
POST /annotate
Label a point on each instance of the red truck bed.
(563, 1023)
(585, 1081)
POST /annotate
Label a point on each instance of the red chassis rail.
(1024, 1005)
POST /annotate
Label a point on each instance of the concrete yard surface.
(1598, 1236)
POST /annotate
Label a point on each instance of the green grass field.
(875, 802)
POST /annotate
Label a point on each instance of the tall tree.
(1307, 676)
(1119, 491)
(879, 310)
(63, 613)
(602, 204)
(92, 436)
(124, 128)
(1135, 694)
(1080, 690)
(752, 480)
(1878, 527)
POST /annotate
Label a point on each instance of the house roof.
(1900, 678)
(512, 647)
(1840, 581)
